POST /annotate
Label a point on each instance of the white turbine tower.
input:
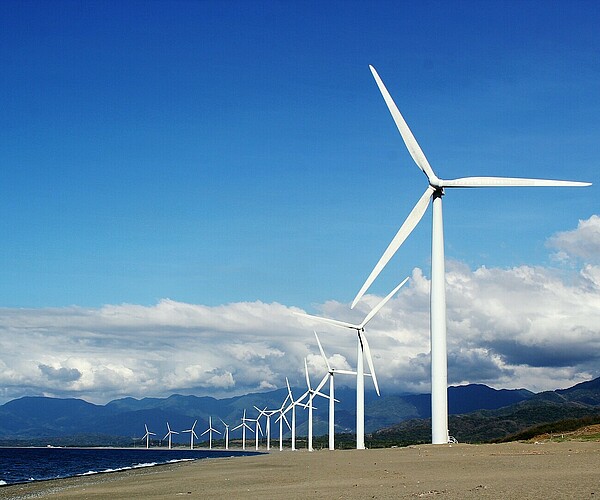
(435, 189)
(257, 429)
(311, 395)
(331, 371)
(192, 434)
(169, 433)
(147, 436)
(363, 349)
(226, 433)
(244, 426)
(209, 431)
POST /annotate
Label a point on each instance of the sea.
(24, 465)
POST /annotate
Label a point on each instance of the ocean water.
(21, 465)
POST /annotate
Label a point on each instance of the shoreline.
(508, 470)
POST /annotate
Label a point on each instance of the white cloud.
(582, 243)
(531, 327)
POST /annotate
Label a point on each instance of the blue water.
(19, 465)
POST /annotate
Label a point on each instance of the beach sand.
(512, 470)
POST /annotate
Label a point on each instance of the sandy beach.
(511, 470)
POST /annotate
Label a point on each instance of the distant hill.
(578, 402)
(477, 412)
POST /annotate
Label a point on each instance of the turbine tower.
(363, 349)
(435, 190)
(226, 433)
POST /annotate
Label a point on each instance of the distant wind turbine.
(244, 426)
(282, 418)
(363, 349)
(226, 433)
(209, 431)
(435, 190)
(147, 436)
(192, 434)
(311, 395)
(169, 433)
(292, 407)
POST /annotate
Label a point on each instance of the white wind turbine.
(192, 434)
(226, 433)
(331, 371)
(363, 349)
(209, 431)
(311, 395)
(435, 190)
(169, 433)
(267, 414)
(257, 428)
(147, 436)
(281, 419)
(244, 426)
(292, 407)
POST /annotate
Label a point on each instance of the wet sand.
(511, 470)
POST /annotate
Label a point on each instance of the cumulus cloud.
(527, 326)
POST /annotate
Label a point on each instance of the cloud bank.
(532, 327)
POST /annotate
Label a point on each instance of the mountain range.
(477, 412)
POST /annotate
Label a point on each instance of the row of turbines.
(439, 372)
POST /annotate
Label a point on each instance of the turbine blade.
(322, 352)
(306, 372)
(327, 320)
(322, 383)
(376, 309)
(345, 372)
(409, 139)
(370, 361)
(407, 227)
(287, 382)
(468, 182)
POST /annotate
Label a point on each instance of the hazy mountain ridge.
(477, 412)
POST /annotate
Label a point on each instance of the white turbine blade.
(306, 372)
(409, 139)
(327, 320)
(285, 420)
(322, 383)
(215, 430)
(376, 309)
(370, 361)
(509, 182)
(322, 352)
(287, 382)
(205, 432)
(223, 422)
(344, 372)
(407, 227)
(238, 426)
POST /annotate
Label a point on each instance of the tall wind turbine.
(209, 431)
(331, 371)
(281, 419)
(226, 433)
(311, 395)
(169, 433)
(257, 428)
(267, 414)
(244, 426)
(192, 434)
(147, 436)
(363, 349)
(435, 190)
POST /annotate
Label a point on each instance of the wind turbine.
(147, 436)
(292, 406)
(244, 426)
(331, 372)
(267, 414)
(210, 430)
(311, 395)
(226, 433)
(169, 433)
(363, 349)
(435, 189)
(192, 434)
(281, 419)
(258, 428)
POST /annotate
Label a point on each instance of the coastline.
(508, 470)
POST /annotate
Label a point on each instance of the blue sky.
(217, 153)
